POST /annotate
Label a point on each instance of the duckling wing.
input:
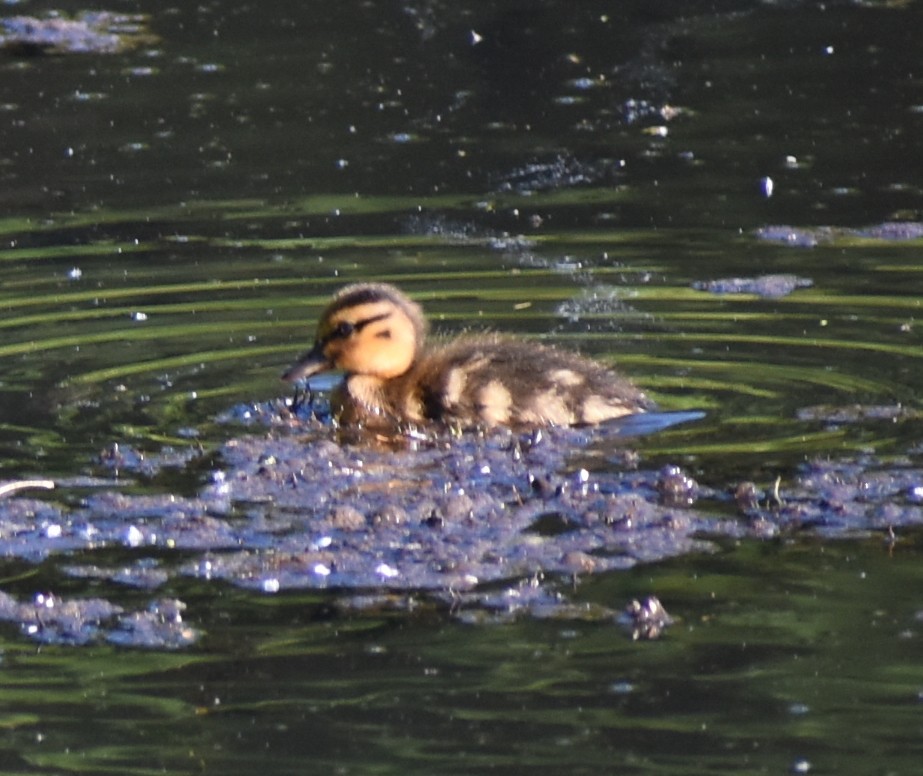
(499, 381)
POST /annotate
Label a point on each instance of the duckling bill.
(377, 336)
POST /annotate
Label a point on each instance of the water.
(175, 216)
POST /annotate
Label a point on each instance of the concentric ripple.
(154, 334)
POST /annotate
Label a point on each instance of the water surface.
(175, 217)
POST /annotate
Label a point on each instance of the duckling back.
(495, 380)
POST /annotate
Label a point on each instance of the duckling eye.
(343, 330)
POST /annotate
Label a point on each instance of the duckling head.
(369, 329)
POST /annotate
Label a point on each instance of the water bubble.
(386, 571)
(53, 531)
(271, 585)
(134, 537)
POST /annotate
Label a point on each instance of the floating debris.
(645, 620)
(145, 573)
(53, 620)
(89, 32)
(486, 525)
(603, 303)
(809, 237)
(676, 487)
(560, 172)
(857, 413)
(160, 626)
(766, 286)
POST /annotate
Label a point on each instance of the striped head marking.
(368, 329)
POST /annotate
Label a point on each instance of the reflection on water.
(761, 672)
(175, 217)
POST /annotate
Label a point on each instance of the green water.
(214, 188)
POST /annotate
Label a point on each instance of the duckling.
(376, 335)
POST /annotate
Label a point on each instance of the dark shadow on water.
(652, 422)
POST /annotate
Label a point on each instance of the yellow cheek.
(384, 359)
(334, 354)
(389, 362)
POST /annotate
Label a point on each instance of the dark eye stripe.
(345, 329)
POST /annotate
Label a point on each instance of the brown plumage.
(376, 335)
